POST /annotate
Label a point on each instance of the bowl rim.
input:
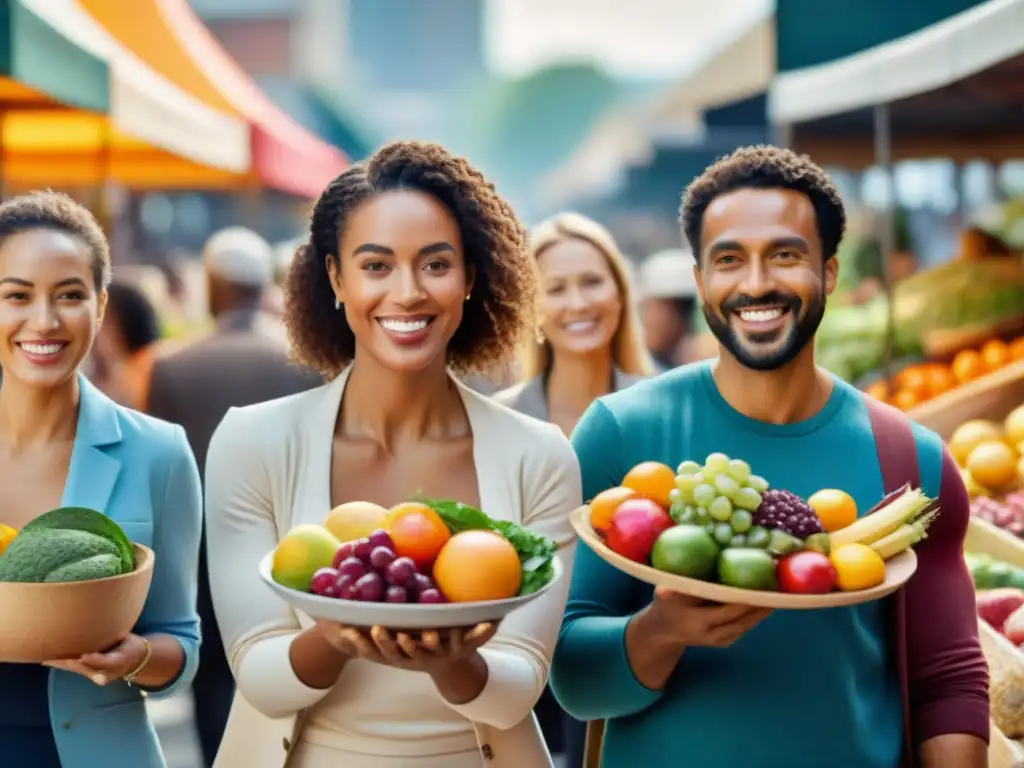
(144, 558)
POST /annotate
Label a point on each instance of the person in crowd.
(851, 687)
(588, 345)
(668, 300)
(64, 443)
(127, 345)
(414, 266)
(244, 361)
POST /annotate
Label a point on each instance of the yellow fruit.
(836, 509)
(6, 534)
(1020, 468)
(354, 520)
(857, 567)
(303, 551)
(993, 464)
(972, 486)
(970, 435)
(1014, 426)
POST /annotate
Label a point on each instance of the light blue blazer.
(139, 471)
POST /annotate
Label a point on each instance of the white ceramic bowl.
(401, 615)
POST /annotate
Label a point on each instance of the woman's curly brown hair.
(503, 298)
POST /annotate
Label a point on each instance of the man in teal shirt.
(697, 686)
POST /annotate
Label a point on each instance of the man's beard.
(744, 347)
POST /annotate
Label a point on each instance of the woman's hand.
(430, 650)
(103, 668)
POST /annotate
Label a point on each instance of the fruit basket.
(423, 564)
(899, 569)
(721, 533)
(70, 583)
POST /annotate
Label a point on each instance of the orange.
(857, 566)
(967, 365)
(995, 353)
(1017, 348)
(417, 531)
(914, 379)
(993, 464)
(6, 535)
(905, 399)
(652, 480)
(940, 380)
(603, 506)
(878, 390)
(478, 565)
(836, 509)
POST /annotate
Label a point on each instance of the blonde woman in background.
(589, 344)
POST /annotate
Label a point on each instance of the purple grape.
(420, 583)
(361, 548)
(431, 596)
(343, 584)
(396, 595)
(380, 538)
(381, 558)
(344, 552)
(353, 567)
(400, 572)
(323, 582)
(370, 588)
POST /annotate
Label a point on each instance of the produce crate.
(1006, 667)
(986, 539)
(988, 397)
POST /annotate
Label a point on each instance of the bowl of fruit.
(423, 564)
(718, 532)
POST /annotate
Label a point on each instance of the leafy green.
(536, 552)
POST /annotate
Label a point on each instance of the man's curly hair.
(765, 167)
(501, 305)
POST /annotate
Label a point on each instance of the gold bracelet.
(130, 677)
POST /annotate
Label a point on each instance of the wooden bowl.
(897, 571)
(45, 622)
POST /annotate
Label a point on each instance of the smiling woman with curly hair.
(414, 267)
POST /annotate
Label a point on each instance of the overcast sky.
(630, 38)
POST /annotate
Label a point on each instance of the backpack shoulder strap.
(894, 444)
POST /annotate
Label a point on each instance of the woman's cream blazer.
(268, 469)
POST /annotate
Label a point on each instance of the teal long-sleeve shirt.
(804, 689)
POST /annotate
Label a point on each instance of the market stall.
(155, 135)
(168, 36)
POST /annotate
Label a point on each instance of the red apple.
(635, 526)
(806, 573)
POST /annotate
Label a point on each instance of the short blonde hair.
(628, 352)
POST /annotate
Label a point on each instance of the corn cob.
(904, 537)
(888, 518)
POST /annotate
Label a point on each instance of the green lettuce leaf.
(536, 552)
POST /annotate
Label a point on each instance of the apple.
(635, 526)
(806, 573)
(996, 605)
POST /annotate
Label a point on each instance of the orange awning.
(167, 35)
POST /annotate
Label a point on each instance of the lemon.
(355, 520)
(970, 435)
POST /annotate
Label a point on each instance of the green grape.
(739, 540)
(721, 509)
(758, 537)
(723, 534)
(710, 527)
(704, 494)
(758, 483)
(676, 510)
(726, 485)
(688, 468)
(741, 521)
(686, 483)
(674, 495)
(718, 462)
(747, 498)
(738, 470)
(688, 516)
(703, 518)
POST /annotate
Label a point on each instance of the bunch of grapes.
(722, 496)
(367, 570)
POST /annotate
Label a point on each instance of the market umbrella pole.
(883, 159)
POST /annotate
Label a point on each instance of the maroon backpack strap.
(897, 460)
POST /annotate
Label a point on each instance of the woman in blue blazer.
(64, 443)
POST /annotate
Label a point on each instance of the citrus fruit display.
(421, 551)
(651, 480)
(727, 525)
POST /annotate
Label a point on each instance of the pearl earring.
(337, 304)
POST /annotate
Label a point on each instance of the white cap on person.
(240, 256)
(668, 275)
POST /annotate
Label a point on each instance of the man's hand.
(658, 635)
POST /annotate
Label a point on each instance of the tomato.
(418, 533)
(806, 573)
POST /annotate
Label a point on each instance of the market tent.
(156, 136)
(40, 65)
(170, 38)
(954, 85)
